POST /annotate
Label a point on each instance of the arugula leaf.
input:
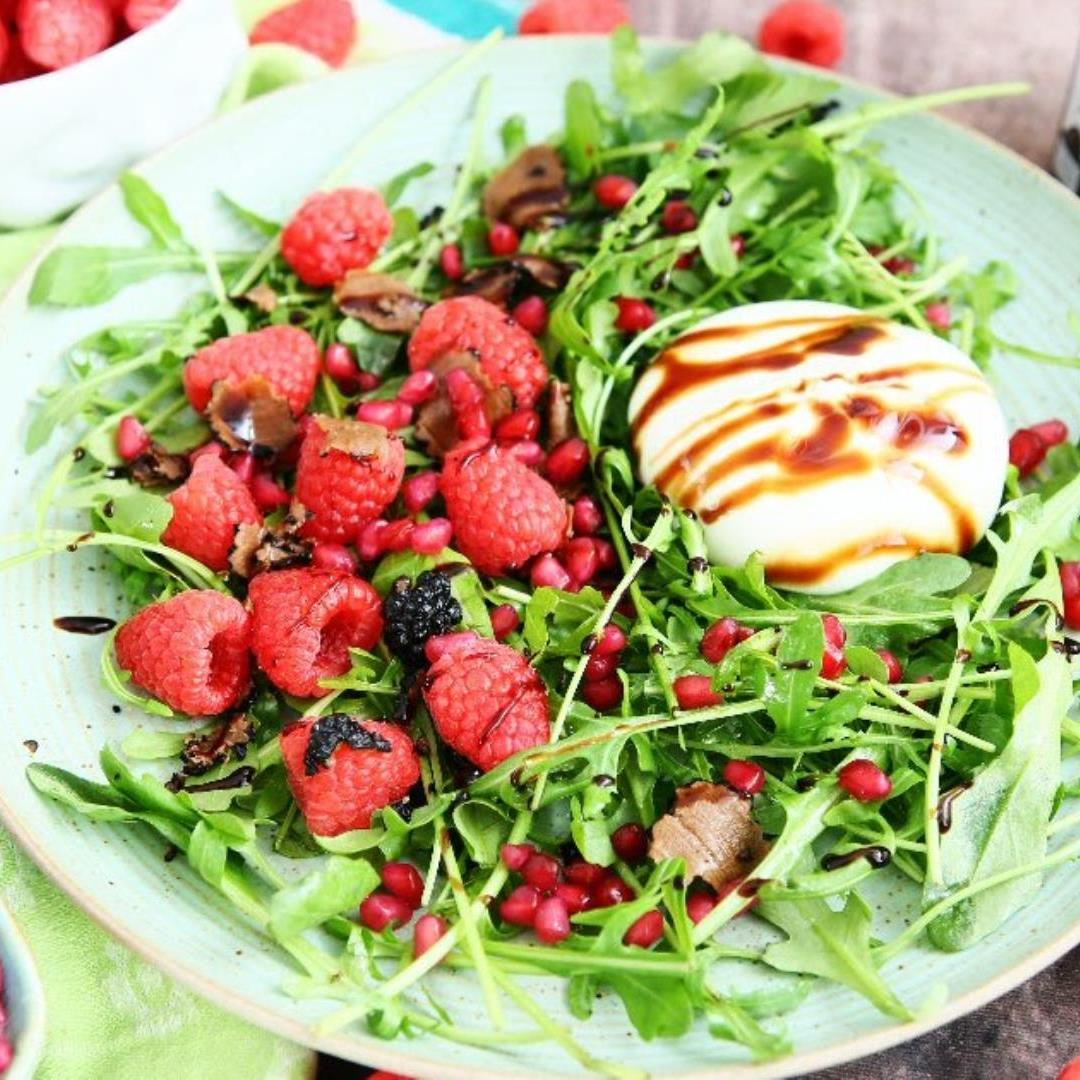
(483, 825)
(336, 887)
(584, 130)
(98, 802)
(395, 187)
(659, 1008)
(792, 686)
(150, 210)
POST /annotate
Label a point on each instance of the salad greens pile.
(973, 738)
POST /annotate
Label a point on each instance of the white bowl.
(68, 134)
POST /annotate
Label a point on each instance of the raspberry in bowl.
(80, 101)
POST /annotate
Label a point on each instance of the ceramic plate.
(988, 204)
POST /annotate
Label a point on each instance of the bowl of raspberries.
(87, 87)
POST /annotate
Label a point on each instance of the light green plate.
(268, 155)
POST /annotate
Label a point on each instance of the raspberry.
(508, 354)
(486, 701)
(326, 28)
(348, 473)
(285, 356)
(305, 621)
(207, 510)
(574, 17)
(503, 513)
(342, 769)
(139, 14)
(58, 33)
(415, 613)
(190, 651)
(804, 30)
(334, 232)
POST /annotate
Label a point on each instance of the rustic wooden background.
(912, 46)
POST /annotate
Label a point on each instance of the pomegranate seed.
(892, 665)
(268, 493)
(334, 557)
(243, 465)
(366, 381)
(601, 667)
(428, 930)
(523, 424)
(503, 239)
(418, 387)
(388, 414)
(746, 777)
(833, 661)
(1052, 432)
(567, 462)
(611, 890)
(865, 781)
(1027, 450)
(605, 552)
(588, 516)
(340, 364)
(7, 1051)
(686, 260)
(403, 880)
(132, 439)
(380, 910)
(419, 490)
(696, 692)
(452, 262)
(721, 638)
(431, 537)
(630, 842)
(1070, 579)
(575, 897)
(939, 314)
(528, 452)
(542, 871)
(604, 694)
(699, 904)
(614, 191)
(678, 217)
(552, 920)
(612, 640)
(504, 621)
(515, 856)
(738, 245)
(634, 315)
(734, 886)
(448, 643)
(899, 264)
(519, 908)
(646, 931)
(211, 449)
(532, 314)
(467, 401)
(584, 873)
(397, 535)
(371, 540)
(547, 570)
(581, 559)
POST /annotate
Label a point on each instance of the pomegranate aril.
(631, 842)
(504, 621)
(646, 931)
(380, 910)
(340, 364)
(696, 692)
(865, 781)
(587, 516)
(519, 908)
(833, 661)
(542, 871)
(892, 665)
(515, 856)
(532, 314)
(1027, 450)
(581, 560)
(397, 535)
(612, 640)
(428, 930)
(634, 315)
(388, 414)
(746, 777)
(452, 262)
(522, 424)
(1052, 432)
(603, 694)
(132, 439)
(567, 461)
(548, 571)
(575, 897)
(678, 217)
(528, 452)
(601, 666)
(721, 638)
(327, 556)
(7, 1052)
(467, 402)
(431, 537)
(899, 264)
(583, 873)
(367, 381)
(605, 552)
(403, 880)
(371, 543)
(268, 493)
(738, 245)
(419, 490)
(552, 923)
(1070, 585)
(614, 191)
(611, 890)
(939, 314)
(418, 387)
(734, 886)
(503, 239)
(699, 904)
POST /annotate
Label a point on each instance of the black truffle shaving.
(329, 732)
(414, 613)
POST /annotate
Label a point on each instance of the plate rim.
(391, 1055)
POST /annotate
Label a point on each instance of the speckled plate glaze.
(988, 204)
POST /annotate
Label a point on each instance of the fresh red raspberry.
(507, 353)
(305, 621)
(207, 510)
(503, 513)
(574, 17)
(486, 701)
(348, 473)
(190, 651)
(139, 14)
(343, 768)
(326, 28)
(804, 30)
(285, 356)
(335, 232)
(58, 33)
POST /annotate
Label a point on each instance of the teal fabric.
(467, 18)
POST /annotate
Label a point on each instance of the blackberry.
(414, 613)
